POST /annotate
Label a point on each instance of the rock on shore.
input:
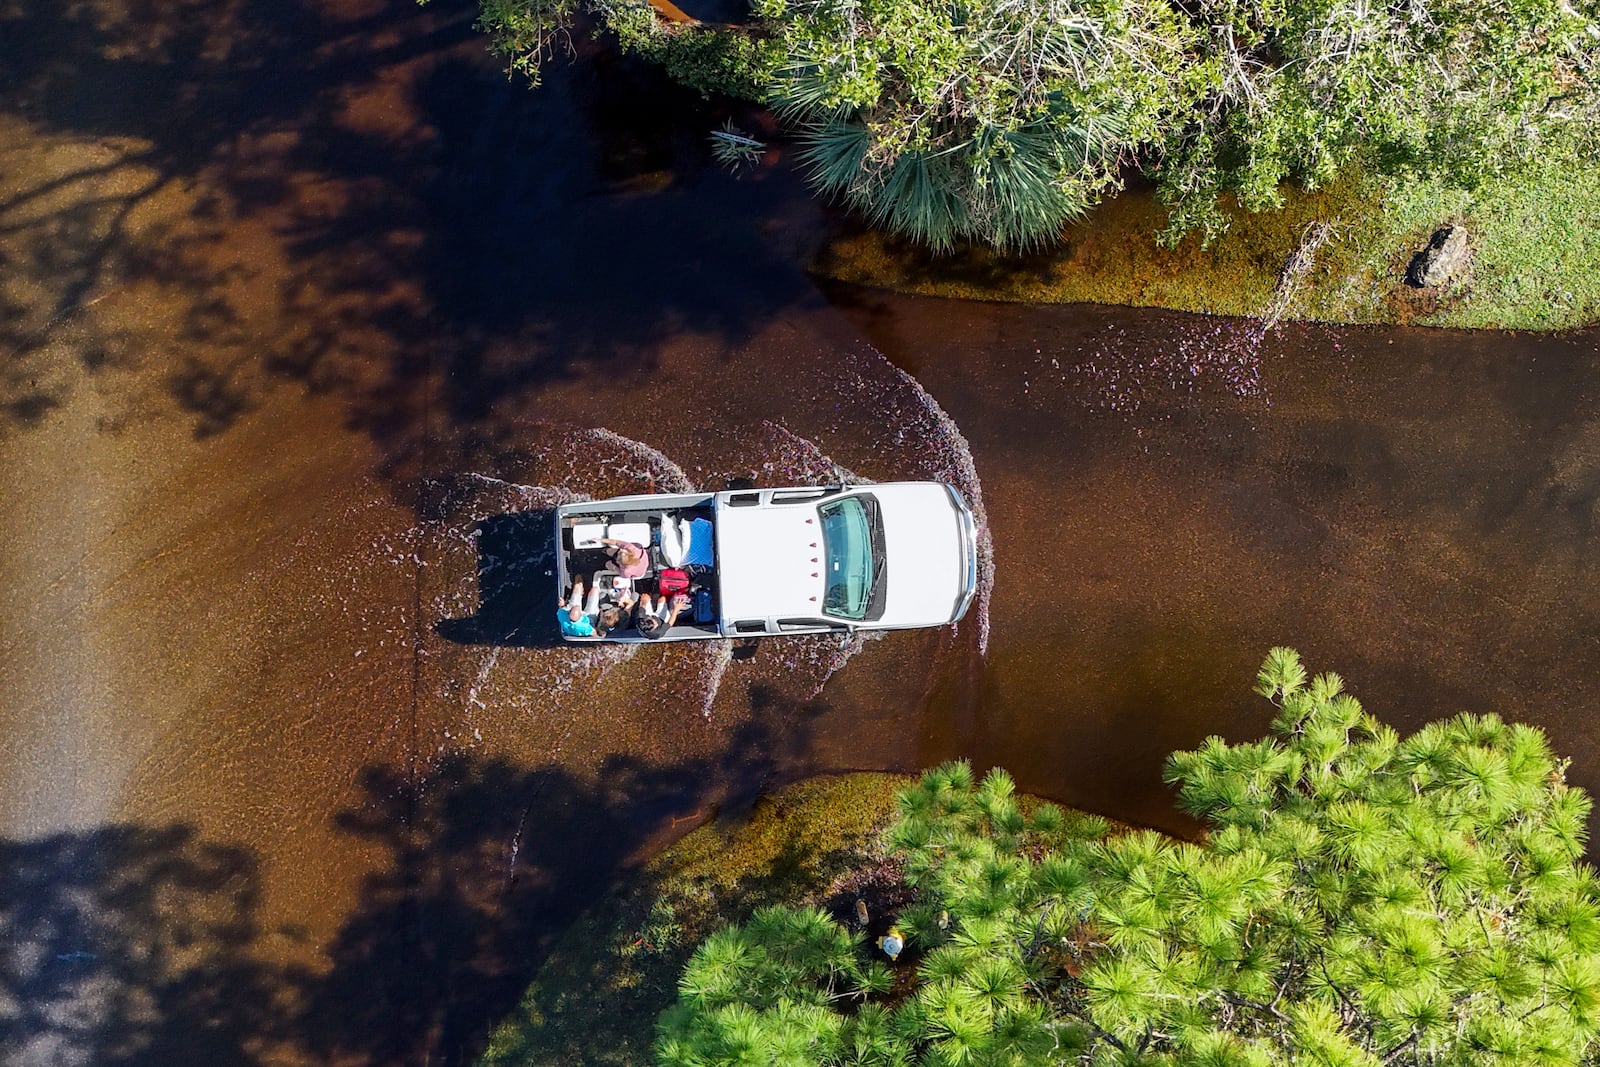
(1444, 258)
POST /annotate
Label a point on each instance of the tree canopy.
(991, 121)
(1296, 90)
(997, 121)
(1359, 900)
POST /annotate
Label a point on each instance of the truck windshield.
(849, 538)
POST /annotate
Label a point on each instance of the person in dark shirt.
(655, 617)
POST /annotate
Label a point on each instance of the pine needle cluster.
(1361, 900)
(1416, 900)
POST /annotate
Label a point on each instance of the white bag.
(674, 541)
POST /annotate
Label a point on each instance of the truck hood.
(769, 558)
(927, 552)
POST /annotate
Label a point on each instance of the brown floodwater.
(1169, 497)
(307, 315)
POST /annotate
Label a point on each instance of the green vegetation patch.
(1535, 262)
(596, 998)
(995, 122)
(1272, 130)
(1360, 899)
(1536, 248)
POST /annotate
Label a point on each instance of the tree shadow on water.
(443, 243)
(131, 945)
(492, 862)
(159, 126)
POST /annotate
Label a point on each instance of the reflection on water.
(1127, 370)
(295, 367)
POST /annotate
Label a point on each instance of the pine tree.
(1359, 899)
(1369, 899)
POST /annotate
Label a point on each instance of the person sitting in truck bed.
(576, 615)
(620, 609)
(627, 558)
(624, 600)
(581, 616)
(655, 618)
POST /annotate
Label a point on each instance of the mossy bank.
(1535, 261)
(596, 997)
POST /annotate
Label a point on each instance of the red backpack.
(672, 581)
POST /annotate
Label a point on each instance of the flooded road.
(1169, 496)
(306, 316)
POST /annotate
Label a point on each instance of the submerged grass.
(595, 999)
(1535, 266)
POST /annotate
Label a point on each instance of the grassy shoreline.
(1535, 264)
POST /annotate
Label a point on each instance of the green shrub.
(1360, 899)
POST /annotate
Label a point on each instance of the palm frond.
(832, 155)
(917, 199)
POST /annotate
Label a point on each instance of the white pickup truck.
(800, 560)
